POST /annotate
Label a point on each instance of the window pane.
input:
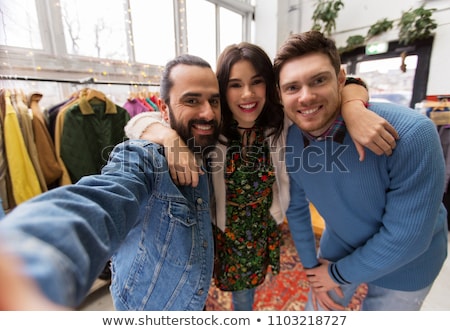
(153, 31)
(230, 28)
(201, 29)
(95, 28)
(20, 27)
(385, 80)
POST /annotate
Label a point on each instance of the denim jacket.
(159, 235)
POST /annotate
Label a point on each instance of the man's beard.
(201, 144)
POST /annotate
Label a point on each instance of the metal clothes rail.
(82, 81)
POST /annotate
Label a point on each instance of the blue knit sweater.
(385, 223)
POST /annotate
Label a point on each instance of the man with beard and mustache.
(157, 234)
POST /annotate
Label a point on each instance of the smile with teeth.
(248, 106)
(309, 111)
(203, 127)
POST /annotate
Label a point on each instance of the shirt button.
(200, 291)
(199, 201)
(205, 243)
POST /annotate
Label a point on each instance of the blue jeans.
(243, 300)
(379, 298)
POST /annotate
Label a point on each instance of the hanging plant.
(381, 26)
(325, 14)
(352, 43)
(416, 24)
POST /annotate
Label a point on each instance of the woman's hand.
(183, 166)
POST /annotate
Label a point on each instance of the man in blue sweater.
(385, 224)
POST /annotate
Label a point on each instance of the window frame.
(53, 62)
(421, 48)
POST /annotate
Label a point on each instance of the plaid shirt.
(336, 131)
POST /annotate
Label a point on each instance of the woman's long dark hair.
(272, 115)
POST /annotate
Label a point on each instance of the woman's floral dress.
(251, 241)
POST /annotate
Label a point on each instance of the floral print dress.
(251, 241)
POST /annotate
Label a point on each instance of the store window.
(96, 28)
(231, 24)
(123, 42)
(20, 25)
(201, 29)
(211, 26)
(386, 82)
(400, 75)
(153, 30)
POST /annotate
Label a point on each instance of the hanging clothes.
(134, 107)
(25, 183)
(91, 128)
(58, 128)
(25, 118)
(51, 169)
(144, 102)
(444, 135)
(151, 103)
(52, 115)
(5, 180)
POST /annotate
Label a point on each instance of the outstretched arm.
(63, 238)
(18, 291)
(366, 128)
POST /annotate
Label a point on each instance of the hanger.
(131, 95)
(92, 93)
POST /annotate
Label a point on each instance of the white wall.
(290, 16)
(266, 25)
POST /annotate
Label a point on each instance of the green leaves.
(325, 14)
(379, 27)
(416, 24)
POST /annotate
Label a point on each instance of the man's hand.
(319, 278)
(320, 283)
(17, 291)
(323, 300)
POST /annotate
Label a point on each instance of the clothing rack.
(82, 81)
